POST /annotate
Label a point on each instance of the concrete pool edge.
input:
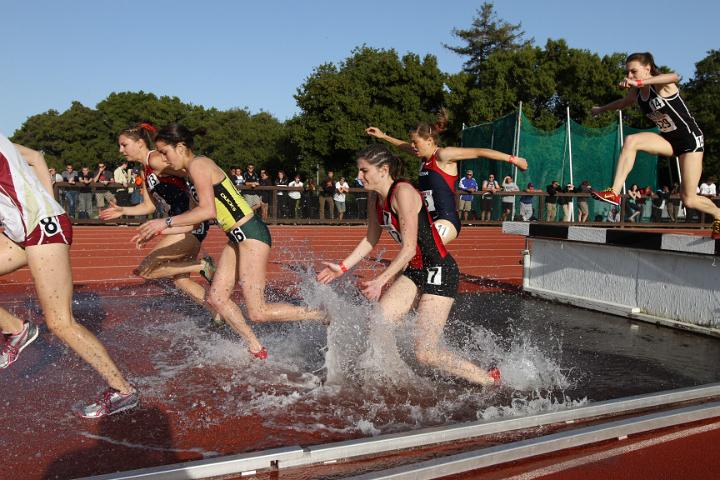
(297, 456)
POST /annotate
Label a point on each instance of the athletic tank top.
(430, 249)
(438, 189)
(230, 206)
(169, 190)
(23, 198)
(670, 114)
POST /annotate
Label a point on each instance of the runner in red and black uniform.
(175, 255)
(428, 270)
(439, 171)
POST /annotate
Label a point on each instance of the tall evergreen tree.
(703, 96)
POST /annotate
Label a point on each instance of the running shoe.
(208, 270)
(607, 195)
(218, 320)
(495, 374)
(715, 232)
(262, 354)
(112, 402)
(14, 344)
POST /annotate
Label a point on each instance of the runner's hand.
(112, 212)
(329, 273)
(151, 228)
(372, 289)
(375, 132)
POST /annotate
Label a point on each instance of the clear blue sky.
(254, 54)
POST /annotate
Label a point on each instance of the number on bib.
(442, 229)
(237, 234)
(428, 198)
(434, 276)
(152, 181)
(50, 226)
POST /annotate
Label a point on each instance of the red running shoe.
(495, 374)
(262, 354)
(715, 233)
(607, 195)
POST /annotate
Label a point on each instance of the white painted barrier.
(668, 279)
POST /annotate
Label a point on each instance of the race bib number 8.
(434, 276)
(50, 226)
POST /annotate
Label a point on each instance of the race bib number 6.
(237, 234)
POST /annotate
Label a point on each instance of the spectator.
(633, 208)
(709, 189)
(85, 179)
(508, 202)
(583, 208)
(662, 195)
(136, 197)
(252, 180)
(296, 196)
(327, 191)
(469, 185)
(71, 195)
(552, 200)
(102, 177)
(567, 203)
(282, 197)
(360, 198)
(489, 187)
(265, 181)
(613, 214)
(341, 188)
(526, 203)
(673, 205)
(310, 199)
(122, 178)
(54, 176)
(645, 202)
(236, 176)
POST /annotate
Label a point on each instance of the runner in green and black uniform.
(246, 254)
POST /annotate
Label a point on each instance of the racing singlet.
(168, 189)
(229, 204)
(438, 191)
(24, 201)
(671, 116)
(430, 249)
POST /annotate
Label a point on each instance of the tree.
(487, 35)
(702, 93)
(371, 87)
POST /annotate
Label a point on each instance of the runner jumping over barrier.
(439, 170)
(245, 256)
(423, 266)
(38, 233)
(174, 256)
(658, 97)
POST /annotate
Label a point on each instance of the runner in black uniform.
(658, 97)
(175, 254)
(439, 171)
(428, 270)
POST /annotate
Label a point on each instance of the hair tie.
(149, 127)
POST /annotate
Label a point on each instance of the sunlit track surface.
(204, 396)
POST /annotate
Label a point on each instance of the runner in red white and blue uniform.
(37, 233)
(439, 170)
(425, 268)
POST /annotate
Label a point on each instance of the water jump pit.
(205, 397)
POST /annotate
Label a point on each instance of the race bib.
(428, 199)
(50, 226)
(434, 276)
(390, 228)
(663, 122)
(152, 181)
(237, 235)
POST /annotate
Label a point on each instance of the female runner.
(658, 97)
(245, 257)
(38, 234)
(424, 266)
(439, 171)
(175, 254)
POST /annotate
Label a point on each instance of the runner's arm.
(36, 160)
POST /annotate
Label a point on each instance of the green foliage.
(371, 87)
(703, 97)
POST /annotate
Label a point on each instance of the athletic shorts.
(50, 230)
(441, 279)
(686, 143)
(451, 217)
(255, 229)
(201, 231)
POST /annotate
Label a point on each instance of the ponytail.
(426, 131)
(645, 59)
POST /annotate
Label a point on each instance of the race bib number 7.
(434, 276)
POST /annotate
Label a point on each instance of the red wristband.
(639, 82)
(512, 159)
(342, 266)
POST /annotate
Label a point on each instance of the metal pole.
(516, 148)
(622, 138)
(572, 180)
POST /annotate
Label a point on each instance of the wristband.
(512, 159)
(168, 222)
(342, 266)
(639, 82)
